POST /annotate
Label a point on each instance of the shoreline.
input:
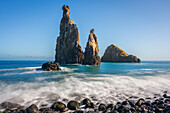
(157, 104)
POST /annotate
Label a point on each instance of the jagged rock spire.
(91, 56)
(68, 49)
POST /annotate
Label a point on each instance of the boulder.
(73, 105)
(68, 49)
(8, 105)
(115, 54)
(102, 107)
(50, 66)
(58, 106)
(91, 56)
(32, 109)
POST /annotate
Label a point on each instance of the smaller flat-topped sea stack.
(91, 56)
(51, 66)
(115, 54)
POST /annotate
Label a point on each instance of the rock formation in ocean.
(91, 56)
(51, 66)
(68, 49)
(114, 54)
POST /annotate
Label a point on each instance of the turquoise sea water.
(25, 83)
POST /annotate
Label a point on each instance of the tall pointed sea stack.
(115, 54)
(91, 56)
(68, 49)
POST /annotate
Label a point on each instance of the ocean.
(24, 82)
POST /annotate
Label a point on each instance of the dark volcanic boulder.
(73, 105)
(50, 66)
(32, 109)
(58, 106)
(68, 49)
(9, 105)
(114, 54)
(91, 56)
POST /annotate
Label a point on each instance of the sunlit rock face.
(68, 49)
(91, 56)
(115, 54)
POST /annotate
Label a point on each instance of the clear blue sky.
(29, 28)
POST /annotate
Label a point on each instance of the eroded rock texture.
(115, 54)
(68, 49)
(51, 66)
(91, 56)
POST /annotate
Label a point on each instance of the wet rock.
(22, 107)
(167, 109)
(91, 56)
(68, 49)
(102, 107)
(44, 110)
(79, 111)
(148, 103)
(86, 101)
(14, 111)
(114, 111)
(133, 110)
(140, 102)
(166, 96)
(125, 102)
(58, 106)
(110, 106)
(106, 111)
(51, 66)
(114, 54)
(167, 101)
(6, 110)
(90, 105)
(73, 105)
(132, 102)
(32, 109)
(9, 105)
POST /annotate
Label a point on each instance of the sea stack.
(91, 56)
(68, 49)
(115, 54)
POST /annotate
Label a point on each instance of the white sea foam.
(31, 70)
(104, 88)
(25, 68)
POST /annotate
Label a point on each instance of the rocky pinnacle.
(68, 49)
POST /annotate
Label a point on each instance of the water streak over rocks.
(147, 105)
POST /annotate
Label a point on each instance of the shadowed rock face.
(114, 54)
(68, 49)
(51, 66)
(91, 56)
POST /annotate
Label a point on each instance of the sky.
(29, 28)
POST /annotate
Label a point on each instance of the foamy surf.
(25, 68)
(109, 83)
(107, 89)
